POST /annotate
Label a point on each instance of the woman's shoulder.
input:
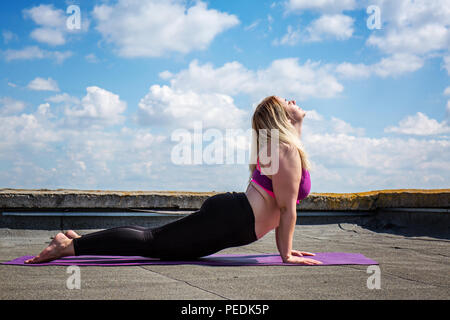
(289, 152)
(286, 148)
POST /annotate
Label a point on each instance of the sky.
(158, 95)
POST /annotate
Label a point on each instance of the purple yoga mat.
(263, 259)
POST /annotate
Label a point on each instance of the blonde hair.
(270, 114)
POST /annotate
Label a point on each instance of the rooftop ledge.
(71, 199)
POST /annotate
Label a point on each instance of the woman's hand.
(298, 257)
(301, 253)
(301, 260)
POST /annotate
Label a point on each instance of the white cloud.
(82, 165)
(340, 126)
(270, 20)
(394, 65)
(8, 36)
(60, 56)
(447, 91)
(229, 79)
(46, 15)
(344, 160)
(337, 26)
(415, 27)
(353, 70)
(448, 110)
(284, 77)
(98, 107)
(289, 78)
(447, 64)
(63, 98)
(412, 13)
(253, 25)
(34, 52)
(313, 115)
(414, 40)
(397, 64)
(9, 105)
(31, 52)
(19, 131)
(41, 84)
(91, 158)
(412, 29)
(44, 110)
(53, 29)
(326, 6)
(168, 107)
(316, 123)
(49, 36)
(165, 75)
(291, 38)
(91, 58)
(364, 163)
(152, 28)
(420, 125)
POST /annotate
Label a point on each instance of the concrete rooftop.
(413, 266)
(406, 231)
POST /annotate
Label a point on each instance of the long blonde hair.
(270, 114)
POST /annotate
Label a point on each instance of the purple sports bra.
(266, 183)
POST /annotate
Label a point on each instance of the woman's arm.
(285, 184)
(284, 234)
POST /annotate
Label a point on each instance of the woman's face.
(296, 114)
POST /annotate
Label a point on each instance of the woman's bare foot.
(61, 246)
(71, 234)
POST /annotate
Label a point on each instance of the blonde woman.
(227, 219)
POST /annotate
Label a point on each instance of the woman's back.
(265, 209)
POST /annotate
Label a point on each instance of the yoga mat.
(264, 259)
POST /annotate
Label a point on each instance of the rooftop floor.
(412, 267)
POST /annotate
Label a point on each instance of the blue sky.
(96, 107)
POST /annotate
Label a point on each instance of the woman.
(224, 220)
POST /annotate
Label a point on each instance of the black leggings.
(224, 220)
